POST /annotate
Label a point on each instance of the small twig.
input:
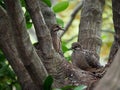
(108, 31)
(75, 11)
(75, 36)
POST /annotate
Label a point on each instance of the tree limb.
(27, 52)
(89, 28)
(7, 45)
(111, 79)
(42, 31)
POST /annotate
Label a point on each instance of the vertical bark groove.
(27, 52)
(7, 45)
(89, 28)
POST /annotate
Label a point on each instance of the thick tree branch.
(51, 59)
(48, 14)
(27, 52)
(111, 80)
(56, 66)
(42, 31)
(7, 45)
(90, 25)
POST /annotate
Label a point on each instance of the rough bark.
(90, 25)
(7, 45)
(25, 49)
(55, 65)
(111, 80)
(49, 16)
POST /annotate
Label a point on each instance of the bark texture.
(90, 25)
(25, 49)
(7, 45)
(112, 78)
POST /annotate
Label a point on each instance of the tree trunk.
(90, 25)
(112, 78)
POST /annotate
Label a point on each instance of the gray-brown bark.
(7, 45)
(111, 80)
(24, 47)
(89, 34)
(45, 49)
(90, 25)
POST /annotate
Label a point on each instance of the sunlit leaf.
(29, 25)
(82, 87)
(60, 22)
(61, 6)
(64, 48)
(18, 87)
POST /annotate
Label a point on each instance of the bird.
(56, 39)
(84, 59)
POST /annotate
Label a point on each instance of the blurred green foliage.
(49, 81)
(8, 79)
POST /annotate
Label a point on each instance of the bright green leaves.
(82, 87)
(61, 6)
(2, 4)
(60, 22)
(28, 20)
(7, 75)
(48, 2)
(48, 83)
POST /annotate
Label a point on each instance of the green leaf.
(64, 48)
(3, 70)
(2, 57)
(48, 83)
(29, 25)
(61, 6)
(10, 73)
(56, 89)
(60, 22)
(67, 87)
(48, 2)
(2, 4)
(82, 87)
(18, 87)
(68, 58)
